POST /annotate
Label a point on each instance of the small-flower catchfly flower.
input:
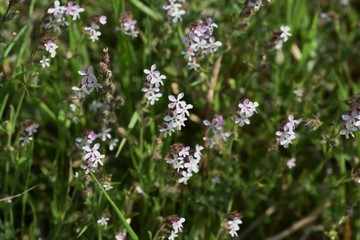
(173, 10)
(151, 87)
(177, 115)
(200, 42)
(286, 133)
(351, 122)
(127, 25)
(246, 109)
(184, 160)
(285, 33)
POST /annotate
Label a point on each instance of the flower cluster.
(233, 224)
(152, 85)
(30, 129)
(200, 42)
(176, 223)
(51, 47)
(215, 133)
(286, 133)
(173, 9)
(92, 27)
(127, 25)
(86, 140)
(92, 158)
(88, 83)
(246, 109)
(278, 37)
(184, 160)
(57, 14)
(176, 116)
(48, 44)
(351, 123)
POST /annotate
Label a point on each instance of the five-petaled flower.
(285, 33)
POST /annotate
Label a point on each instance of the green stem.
(133, 121)
(25, 196)
(117, 211)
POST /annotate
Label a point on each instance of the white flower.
(174, 10)
(285, 33)
(45, 62)
(107, 186)
(139, 190)
(152, 97)
(173, 235)
(177, 116)
(73, 10)
(58, 10)
(348, 131)
(113, 143)
(234, 226)
(103, 221)
(103, 20)
(127, 25)
(120, 235)
(104, 134)
(255, 4)
(177, 225)
(89, 77)
(193, 65)
(285, 138)
(98, 161)
(152, 73)
(214, 45)
(91, 153)
(93, 32)
(192, 165)
(25, 140)
(287, 134)
(184, 152)
(198, 149)
(291, 163)
(247, 107)
(185, 177)
(51, 47)
(151, 87)
(175, 102)
(32, 129)
(291, 124)
(178, 163)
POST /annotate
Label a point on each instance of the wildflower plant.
(173, 9)
(127, 25)
(152, 85)
(184, 160)
(286, 134)
(215, 134)
(351, 121)
(177, 115)
(200, 41)
(246, 109)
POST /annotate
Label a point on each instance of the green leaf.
(153, 14)
(48, 111)
(16, 38)
(3, 105)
